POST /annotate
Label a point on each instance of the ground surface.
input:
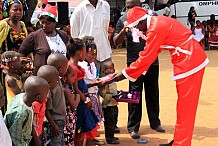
(206, 125)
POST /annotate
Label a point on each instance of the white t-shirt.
(56, 45)
(90, 76)
(5, 138)
(87, 20)
(167, 11)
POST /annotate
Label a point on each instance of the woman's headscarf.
(8, 3)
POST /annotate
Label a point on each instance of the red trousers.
(188, 90)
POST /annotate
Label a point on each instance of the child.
(51, 75)
(19, 115)
(86, 120)
(198, 33)
(72, 101)
(12, 66)
(109, 104)
(56, 106)
(90, 78)
(5, 138)
(91, 75)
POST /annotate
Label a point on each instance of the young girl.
(86, 120)
(198, 33)
(91, 75)
(72, 101)
(91, 79)
(12, 67)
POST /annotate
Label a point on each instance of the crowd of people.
(205, 31)
(53, 79)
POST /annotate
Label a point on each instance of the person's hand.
(125, 24)
(25, 60)
(37, 142)
(118, 77)
(126, 28)
(27, 64)
(56, 130)
(89, 105)
(98, 82)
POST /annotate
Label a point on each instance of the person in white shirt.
(167, 10)
(91, 18)
(5, 138)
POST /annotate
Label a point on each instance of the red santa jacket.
(187, 56)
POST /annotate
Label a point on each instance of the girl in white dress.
(91, 75)
(198, 33)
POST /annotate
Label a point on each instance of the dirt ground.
(206, 124)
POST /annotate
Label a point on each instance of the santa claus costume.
(188, 59)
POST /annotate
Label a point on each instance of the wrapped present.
(128, 96)
(106, 78)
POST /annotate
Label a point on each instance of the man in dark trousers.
(150, 80)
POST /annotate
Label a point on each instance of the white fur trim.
(150, 12)
(128, 77)
(137, 21)
(194, 70)
(148, 21)
(144, 72)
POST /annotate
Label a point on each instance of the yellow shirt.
(10, 94)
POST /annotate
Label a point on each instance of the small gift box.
(128, 96)
(106, 78)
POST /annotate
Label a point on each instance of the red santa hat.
(50, 11)
(135, 15)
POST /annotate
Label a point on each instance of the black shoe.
(112, 141)
(116, 130)
(98, 142)
(134, 135)
(169, 144)
(116, 138)
(159, 129)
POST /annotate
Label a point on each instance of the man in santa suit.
(187, 57)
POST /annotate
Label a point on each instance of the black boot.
(169, 144)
